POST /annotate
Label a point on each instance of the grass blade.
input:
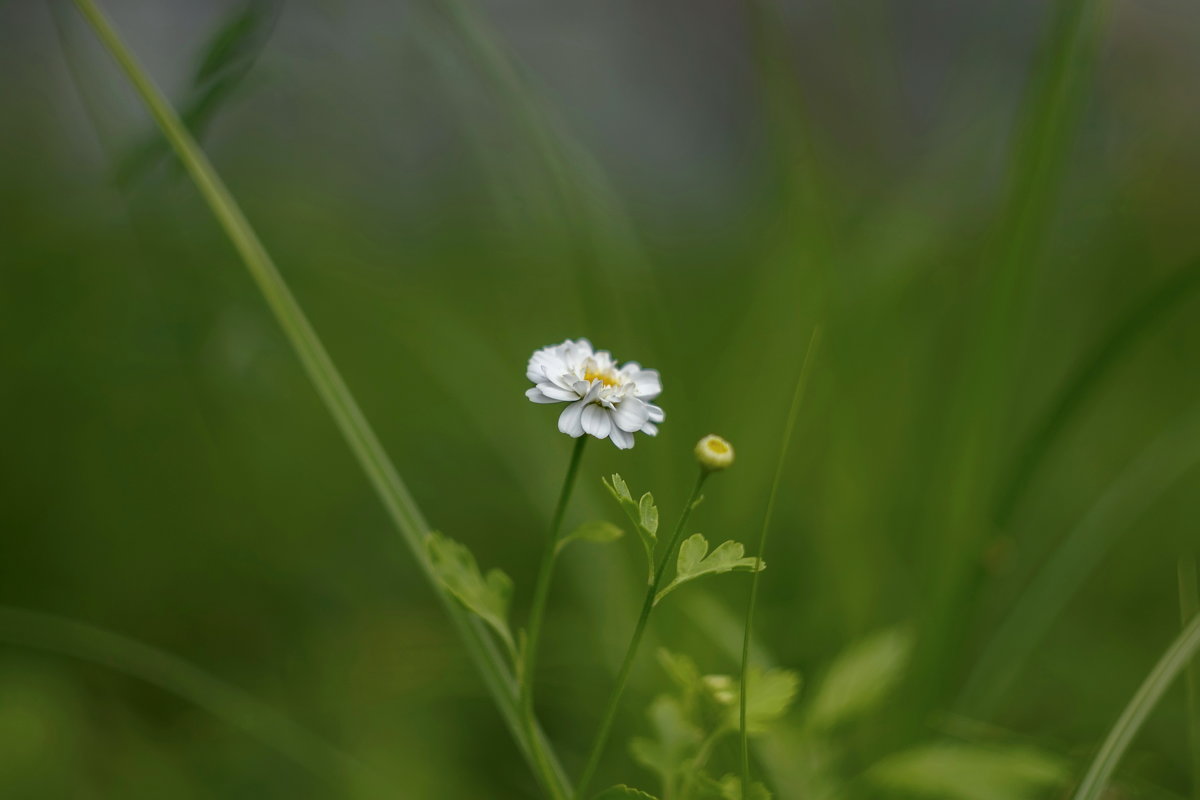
(1189, 607)
(328, 381)
(1178, 655)
(1140, 321)
(788, 428)
(1159, 467)
(170, 673)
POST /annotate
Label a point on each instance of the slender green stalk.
(788, 428)
(538, 610)
(614, 699)
(1189, 607)
(332, 388)
(1178, 655)
(66, 637)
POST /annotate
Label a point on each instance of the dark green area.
(990, 210)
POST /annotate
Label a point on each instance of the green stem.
(332, 388)
(614, 699)
(1189, 606)
(788, 428)
(541, 593)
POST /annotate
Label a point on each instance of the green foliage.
(730, 788)
(959, 771)
(695, 561)
(642, 513)
(861, 678)
(597, 531)
(488, 597)
(769, 695)
(702, 709)
(623, 792)
(675, 740)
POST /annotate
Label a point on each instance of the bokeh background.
(989, 207)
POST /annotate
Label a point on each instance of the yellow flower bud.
(714, 453)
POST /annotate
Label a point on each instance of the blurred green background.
(989, 207)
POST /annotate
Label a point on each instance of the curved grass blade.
(1131, 329)
(330, 386)
(1178, 655)
(1189, 607)
(1163, 463)
(170, 673)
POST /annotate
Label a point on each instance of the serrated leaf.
(642, 513)
(623, 792)
(648, 514)
(595, 531)
(487, 597)
(769, 695)
(958, 771)
(694, 561)
(861, 678)
(676, 738)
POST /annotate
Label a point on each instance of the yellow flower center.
(607, 378)
(717, 446)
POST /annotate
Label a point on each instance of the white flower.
(606, 400)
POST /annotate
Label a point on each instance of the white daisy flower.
(607, 400)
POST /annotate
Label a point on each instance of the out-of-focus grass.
(167, 472)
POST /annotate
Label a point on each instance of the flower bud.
(714, 453)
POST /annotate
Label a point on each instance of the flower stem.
(788, 428)
(541, 593)
(614, 699)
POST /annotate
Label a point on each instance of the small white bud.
(714, 453)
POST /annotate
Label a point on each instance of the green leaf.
(769, 695)
(642, 513)
(488, 597)
(595, 531)
(623, 792)
(958, 771)
(648, 514)
(695, 561)
(676, 739)
(861, 678)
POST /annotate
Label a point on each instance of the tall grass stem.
(789, 428)
(329, 384)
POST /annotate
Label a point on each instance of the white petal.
(536, 396)
(556, 392)
(649, 384)
(596, 421)
(631, 414)
(650, 429)
(656, 413)
(622, 439)
(569, 420)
